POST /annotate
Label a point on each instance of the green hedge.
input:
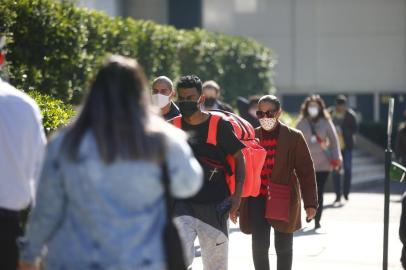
(55, 47)
(55, 113)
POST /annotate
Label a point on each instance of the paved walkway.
(350, 238)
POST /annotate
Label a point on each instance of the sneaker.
(337, 203)
(346, 197)
(317, 225)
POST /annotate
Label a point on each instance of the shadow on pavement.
(333, 206)
(308, 232)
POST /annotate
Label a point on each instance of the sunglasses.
(268, 114)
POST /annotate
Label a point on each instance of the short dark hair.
(190, 81)
(341, 100)
(271, 99)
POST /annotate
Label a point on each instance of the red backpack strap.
(213, 124)
(176, 121)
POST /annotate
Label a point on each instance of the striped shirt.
(269, 141)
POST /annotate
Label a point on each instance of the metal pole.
(388, 157)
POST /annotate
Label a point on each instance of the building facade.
(330, 47)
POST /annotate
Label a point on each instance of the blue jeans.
(347, 165)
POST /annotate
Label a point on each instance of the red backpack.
(254, 154)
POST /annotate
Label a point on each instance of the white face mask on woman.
(160, 100)
(268, 123)
(313, 111)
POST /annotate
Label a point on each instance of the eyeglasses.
(268, 114)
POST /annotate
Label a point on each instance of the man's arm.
(353, 123)
(239, 182)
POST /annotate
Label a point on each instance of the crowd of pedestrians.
(97, 193)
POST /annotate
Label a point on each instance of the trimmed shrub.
(54, 47)
(55, 113)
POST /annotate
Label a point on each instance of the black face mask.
(209, 102)
(187, 108)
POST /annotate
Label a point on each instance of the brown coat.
(292, 158)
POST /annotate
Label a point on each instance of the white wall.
(323, 45)
(111, 7)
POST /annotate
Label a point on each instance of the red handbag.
(277, 205)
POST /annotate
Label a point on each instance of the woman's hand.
(310, 213)
(336, 164)
(27, 266)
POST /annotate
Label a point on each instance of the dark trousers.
(347, 165)
(11, 227)
(261, 231)
(321, 179)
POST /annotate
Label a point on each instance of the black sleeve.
(226, 138)
(242, 106)
(226, 107)
(353, 122)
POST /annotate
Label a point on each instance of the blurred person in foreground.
(288, 162)
(100, 202)
(321, 137)
(212, 91)
(247, 108)
(345, 122)
(400, 146)
(162, 97)
(22, 144)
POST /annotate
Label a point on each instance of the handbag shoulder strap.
(312, 128)
(165, 180)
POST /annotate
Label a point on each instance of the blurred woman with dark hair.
(321, 137)
(100, 201)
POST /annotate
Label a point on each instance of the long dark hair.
(116, 112)
(322, 105)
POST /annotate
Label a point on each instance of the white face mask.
(160, 100)
(313, 111)
(267, 123)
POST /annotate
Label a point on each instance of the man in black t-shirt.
(205, 215)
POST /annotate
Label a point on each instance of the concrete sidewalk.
(350, 238)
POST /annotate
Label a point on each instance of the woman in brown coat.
(288, 162)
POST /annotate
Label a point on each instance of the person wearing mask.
(100, 202)
(321, 137)
(211, 91)
(162, 95)
(22, 144)
(248, 109)
(206, 215)
(288, 162)
(400, 146)
(345, 122)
